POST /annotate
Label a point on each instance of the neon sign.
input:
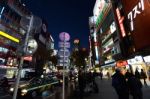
(9, 36)
(121, 19)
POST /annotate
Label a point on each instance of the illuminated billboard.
(137, 13)
(98, 7)
(9, 36)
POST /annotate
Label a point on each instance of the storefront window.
(3, 50)
(10, 73)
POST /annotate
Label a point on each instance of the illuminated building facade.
(11, 34)
(133, 20)
(45, 48)
(94, 48)
(122, 28)
(103, 32)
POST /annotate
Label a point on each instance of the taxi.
(36, 86)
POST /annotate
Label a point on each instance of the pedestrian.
(4, 84)
(135, 86)
(127, 74)
(81, 83)
(143, 76)
(137, 74)
(149, 74)
(108, 75)
(101, 75)
(120, 85)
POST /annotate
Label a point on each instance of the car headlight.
(11, 89)
(23, 92)
(61, 81)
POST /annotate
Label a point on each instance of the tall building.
(133, 21)
(11, 33)
(93, 40)
(45, 47)
(105, 31)
(122, 31)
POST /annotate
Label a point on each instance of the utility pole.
(22, 59)
(64, 53)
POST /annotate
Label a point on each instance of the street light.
(28, 23)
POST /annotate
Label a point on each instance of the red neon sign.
(121, 63)
(120, 19)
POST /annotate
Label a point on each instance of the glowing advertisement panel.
(9, 36)
(98, 7)
(137, 13)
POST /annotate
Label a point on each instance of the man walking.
(120, 85)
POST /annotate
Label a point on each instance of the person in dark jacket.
(82, 83)
(135, 87)
(4, 84)
(137, 74)
(120, 85)
(143, 76)
(127, 74)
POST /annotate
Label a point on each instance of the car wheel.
(34, 94)
(45, 93)
(52, 88)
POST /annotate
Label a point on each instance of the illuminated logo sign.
(121, 63)
(64, 36)
(28, 58)
(76, 41)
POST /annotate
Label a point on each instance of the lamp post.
(29, 25)
(22, 60)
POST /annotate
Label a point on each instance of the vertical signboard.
(64, 53)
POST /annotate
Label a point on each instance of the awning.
(111, 64)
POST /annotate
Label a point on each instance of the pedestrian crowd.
(86, 83)
(4, 84)
(128, 83)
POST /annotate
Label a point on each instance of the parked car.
(36, 86)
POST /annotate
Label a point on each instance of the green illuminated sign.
(101, 15)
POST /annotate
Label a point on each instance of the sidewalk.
(106, 91)
(4, 95)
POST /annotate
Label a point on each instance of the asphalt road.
(106, 91)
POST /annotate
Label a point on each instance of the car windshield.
(35, 81)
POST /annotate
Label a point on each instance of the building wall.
(138, 23)
(10, 28)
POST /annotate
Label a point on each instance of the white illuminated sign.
(136, 60)
(113, 27)
(96, 52)
(147, 58)
(135, 11)
(95, 40)
(99, 5)
(131, 61)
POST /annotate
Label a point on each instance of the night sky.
(65, 16)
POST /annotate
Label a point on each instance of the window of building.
(4, 50)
